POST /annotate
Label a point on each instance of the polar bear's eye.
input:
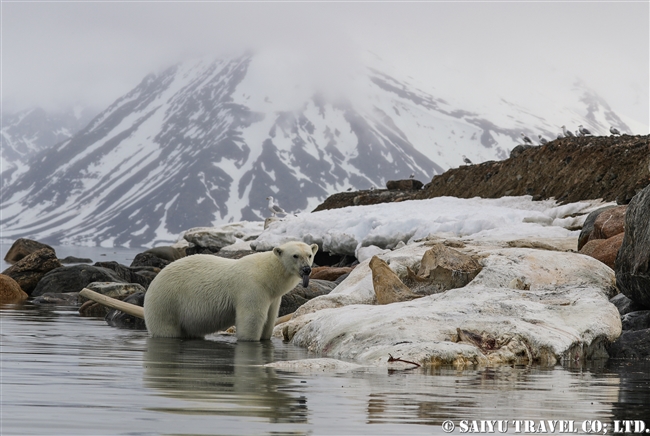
(295, 256)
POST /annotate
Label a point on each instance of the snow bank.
(348, 230)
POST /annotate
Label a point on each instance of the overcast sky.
(58, 54)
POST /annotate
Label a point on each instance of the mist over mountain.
(30, 131)
(206, 141)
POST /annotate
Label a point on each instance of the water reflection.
(634, 395)
(62, 374)
(499, 393)
(221, 378)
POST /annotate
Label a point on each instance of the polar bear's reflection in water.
(222, 378)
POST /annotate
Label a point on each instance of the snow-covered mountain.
(25, 133)
(205, 142)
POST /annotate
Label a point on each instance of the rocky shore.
(613, 168)
(530, 291)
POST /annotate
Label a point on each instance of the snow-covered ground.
(383, 226)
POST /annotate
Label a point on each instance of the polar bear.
(203, 293)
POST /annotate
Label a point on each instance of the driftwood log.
(132, 309)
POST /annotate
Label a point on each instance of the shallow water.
(64, 375)
(96, 254)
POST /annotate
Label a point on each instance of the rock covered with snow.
(216, 238)
(562, 312)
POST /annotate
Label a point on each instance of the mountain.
(205, 142)
(30, 131)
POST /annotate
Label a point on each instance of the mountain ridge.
(200, 144)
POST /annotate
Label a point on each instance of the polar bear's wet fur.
(201, 294)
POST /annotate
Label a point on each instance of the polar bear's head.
(297, 258)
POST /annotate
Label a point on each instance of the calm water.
(66, 375)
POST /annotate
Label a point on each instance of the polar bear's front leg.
(270, 319)
(250, 323)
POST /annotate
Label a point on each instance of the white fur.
(201, 294)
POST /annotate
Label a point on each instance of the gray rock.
(299, 295)
(117, 318)
(72, 259)
(633, 259)
(23, 247)
(624, 304)
(634, 344)
(211, 238)
(119, 291)
(442, 268)
(167, 252)
(58, 298)
(73, 279)
(149, 259)
(130, 275)
(519, 149)
(639, 320)
(114, 290)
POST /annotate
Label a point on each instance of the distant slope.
(204, 143)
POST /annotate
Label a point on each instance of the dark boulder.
(117, 318)
(119, 291)
(404, 185)
(588, 226)
(141, 275)
(633, 344)
(299, 295)
(74, 279)
(149, 259)
(23, 247)
(639, 320)
(519, 149)
(91, 309)
(625, 305)
(168, 253)
(72, 259)
(29, 270)
(633, 260)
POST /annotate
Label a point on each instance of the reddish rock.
(329, 273)
(10, 291)
(23, 247)
(29, 270)
(588, 226)
(609, 223)
(604, 250)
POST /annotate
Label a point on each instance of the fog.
(58, 55)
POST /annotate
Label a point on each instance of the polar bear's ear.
(277, 251)
(314, 248)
